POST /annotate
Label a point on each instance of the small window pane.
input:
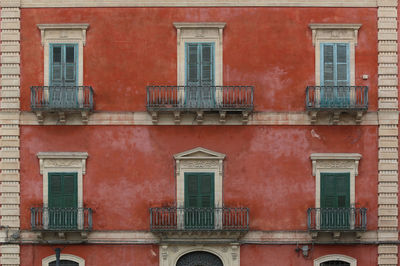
(57, 54)
(70, 57)
(341, 53)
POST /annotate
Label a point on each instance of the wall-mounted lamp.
(304, 249)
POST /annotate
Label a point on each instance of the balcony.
(61, 220)
(62, 100)
(228, 221)
(200, 99)
(336, 100)
(336, 220)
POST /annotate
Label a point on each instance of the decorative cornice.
(63, 29)
(197, 25)
(334, 31)
(196, 3)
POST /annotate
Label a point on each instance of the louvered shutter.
(327, 60)
(207, 58)
(70, 65)
(63, 190)
(193, 64)
(63, 64)
(342, 64)
(56, 57)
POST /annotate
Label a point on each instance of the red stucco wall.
(270, 48)
(96, 255)
(267, 168)
(267, 254)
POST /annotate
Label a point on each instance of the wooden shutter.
(63, 64)
(207, 63)
(335, 67)
(56, 71)
(199, 190)
(335, 190)
(70, 65)
(192, 65)
(342, 64)
(63, 190)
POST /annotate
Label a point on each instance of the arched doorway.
(64, 263)
(335, 263)
(199, 258)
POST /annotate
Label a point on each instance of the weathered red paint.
(98, 255)
(131, 168)
(270, 48)
(286, 255)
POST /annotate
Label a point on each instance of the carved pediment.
(199, 153)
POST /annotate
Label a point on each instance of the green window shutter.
(342, 64)
(207, 58)
(327, 63)
(63, 64)
(335, 190)
(199, 190)
(63, 190)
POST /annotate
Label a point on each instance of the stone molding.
(335, 163)
(228, 253)
(63, 33)
(199, 160)
(58, 162)
(195, 3)
(339, 257)
(46, 261)
(144, 118)
(388, 118)
(9, 131)
(344, 33)
(199, 32)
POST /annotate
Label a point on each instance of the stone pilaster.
(388, 131)
(9, 131)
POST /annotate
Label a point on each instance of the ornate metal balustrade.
(200, 99)
(199, 219)
(337, 219)
(61, 219)
(61, 99)
(337, 99)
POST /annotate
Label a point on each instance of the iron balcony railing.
(199, 219)
(337, 219)
(61, 98)
(61, 219)
(205, 98)
(337, 98)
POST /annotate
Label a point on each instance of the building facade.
(199, 132)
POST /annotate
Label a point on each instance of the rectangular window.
(335, 66)
(63, 64)
(63, 200)
(199, 200)
(335, 200)
(200, 75)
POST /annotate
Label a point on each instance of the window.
(63, 53)
(65, 260)
(335, 194)
(335, 260)
(63, 64)
(199, 64)
(335, 53)
(335, 64)
(199, 185)
(63, 190)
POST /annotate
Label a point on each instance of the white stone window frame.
(46, 261)
(334, 33)
(335, 163)
(339, 257)
(63, 34)
(199, 160)
(199, 32)
(229, 253)
(62, 162)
